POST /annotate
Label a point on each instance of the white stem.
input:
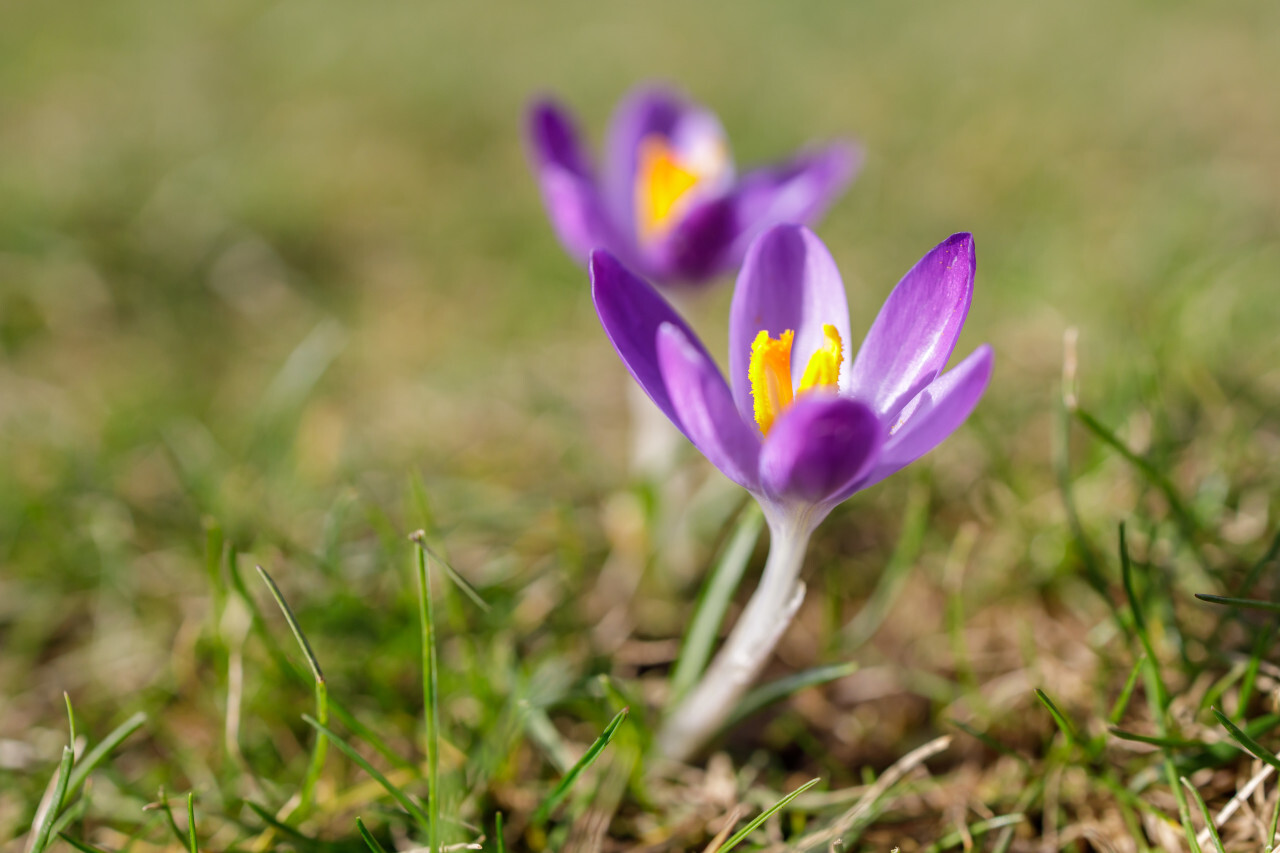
(655, 441)
(772, 607)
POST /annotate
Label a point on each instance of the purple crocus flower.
(666, 200)
(802, 424)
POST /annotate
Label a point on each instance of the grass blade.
(741, 835)
(96, 755)
(1249, 603)
(713, 603)
(497, 833)
(191, 823)
(989, 741)
(774, 691)
(1169, 742)
(82, 846)
(915, 521)
(1249, 744)
(42, 827)
(1204, 812)
(1184, 518)
(316, 765)
(589, 757)
(301, 841)
(430, 690)
(1122, 701)
(1068, 730)
(369, 840)
(414, 810)
(980, 828)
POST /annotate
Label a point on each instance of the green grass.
(276, 289)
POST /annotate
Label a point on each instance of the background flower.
(666, 199)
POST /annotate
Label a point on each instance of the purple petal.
(818, 446)
(799, 190)
(715, 235)
(705, 408)
(933, 415)
(788, 281)
(568, 189)
(697, 249)
(632, 312)
(916, 330)
(554, 140)
(646, 111)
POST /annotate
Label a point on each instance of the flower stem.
(772, 606)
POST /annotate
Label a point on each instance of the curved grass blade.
(986, 739)
(1169, 742)
(42, 827)
(741, 835)
(1068, 730)
(1249, 603)
(775, 691)
(369, 840)
(1204, 812)
(301, 841)
(414, 810)
(982, 827)
(1122, 701)
(1249, 744)
(713, 603)
(191, 823)
(1183, 516)
(316, 766)
(589, 757)
(915, 521)
(95, 756)
(82, 846)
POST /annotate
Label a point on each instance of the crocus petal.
(820, 444)
(932, 415)
(698, 247)
(916, 330)
(564, 175)
(554, 140)
(646, 111)
(788, 281)
(705, 409)
(799, 190)
(631, 312)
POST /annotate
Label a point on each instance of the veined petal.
(820, 444)
(916, 330)
(933, 415)
(788, 281)
(632, 312)
(564, 175)
(705, 409)
(799, 190)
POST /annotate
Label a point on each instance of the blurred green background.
(261, 261)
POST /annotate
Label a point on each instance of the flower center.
(667, 177)
(770, 372)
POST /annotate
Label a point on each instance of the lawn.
(277, 289)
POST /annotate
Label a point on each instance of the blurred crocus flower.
(666, 199)
(802, 424)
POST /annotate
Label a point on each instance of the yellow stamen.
(823, 369)
(769, 372)
(770, 375)
(661, 181)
